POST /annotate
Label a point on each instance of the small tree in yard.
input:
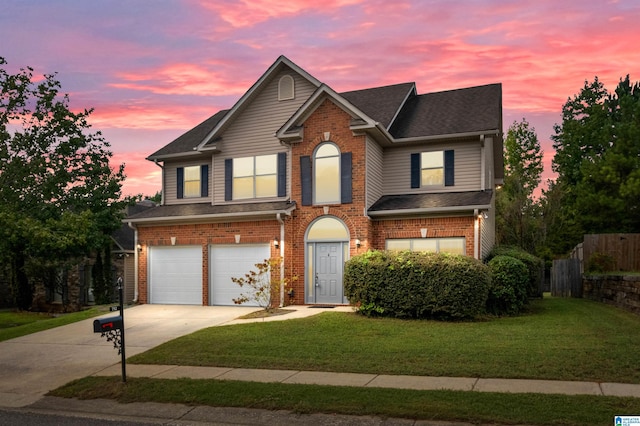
(262, 285)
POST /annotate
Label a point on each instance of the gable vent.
(286, 88)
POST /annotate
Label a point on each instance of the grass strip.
(533, 409)
(558, 339)
(17, 324)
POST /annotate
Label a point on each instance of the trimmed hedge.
(535, 266)
(509, 282)
(417, 285)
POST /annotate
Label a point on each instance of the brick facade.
(327, 123)
(203, 234)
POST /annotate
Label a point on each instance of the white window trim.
(439, 185)
(254, 176)
(286, 79)
(437, 240)
(315, 182)
(185, 181)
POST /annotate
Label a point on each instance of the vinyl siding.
(374, 183)
(171, 181)
(467, 167)
(252, 132)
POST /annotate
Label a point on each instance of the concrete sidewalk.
(377, 380)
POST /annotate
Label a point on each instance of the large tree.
(517, 212)
(59, 196)
(598, 159)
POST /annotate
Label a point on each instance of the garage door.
(228, 261)
(175, 275)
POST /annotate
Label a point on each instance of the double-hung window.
(260, 176)
(255, 177)
(192, 181)
(432, 169)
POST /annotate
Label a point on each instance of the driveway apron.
(32, 365)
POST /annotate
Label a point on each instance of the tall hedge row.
(417, 285)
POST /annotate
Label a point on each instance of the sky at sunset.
(153, 69)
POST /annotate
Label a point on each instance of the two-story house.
(298, 171)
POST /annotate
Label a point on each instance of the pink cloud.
(183, 79)
(143, 177)
(246, 13)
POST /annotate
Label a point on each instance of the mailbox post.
(113, 329)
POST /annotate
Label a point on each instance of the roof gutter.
(191, 218)
(447, 136)
(430, 210)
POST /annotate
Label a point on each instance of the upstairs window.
(326, 174)
(192, 181)
(286, 88)
(325, 177)
(432, 169)
(261, 176)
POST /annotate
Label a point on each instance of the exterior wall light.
(358, 244)
(276, 242)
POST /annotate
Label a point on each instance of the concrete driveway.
(32, 365)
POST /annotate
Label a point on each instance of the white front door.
(329, 267)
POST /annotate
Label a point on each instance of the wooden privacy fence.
(566, 278)
(623, 248)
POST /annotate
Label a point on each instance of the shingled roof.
(444, 201)
(458, 111)
(191, 139)
(381, 103)
(195, 211)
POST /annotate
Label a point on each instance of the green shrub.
(535, 266)
(417, 285)
(509, 281)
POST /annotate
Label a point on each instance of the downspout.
(281, 259)
(162, 191)
(476, 234)
(135, 262)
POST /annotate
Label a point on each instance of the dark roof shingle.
(451, 112)
(443, 200)
(206, 210)
(380, 103)
(191, 139)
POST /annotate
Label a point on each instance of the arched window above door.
(328, 228)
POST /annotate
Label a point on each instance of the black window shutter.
(448, 168)
(228, 179)
(346, 193)
(180, 182)
(282, 174)
(305, 180)
(415, 170)
(204, 180)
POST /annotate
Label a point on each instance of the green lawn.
(559, 339)
(20, 323)
(472, 407)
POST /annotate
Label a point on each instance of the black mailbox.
(106, 324)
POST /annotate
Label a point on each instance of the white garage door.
(228, 261)
(175, 275)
